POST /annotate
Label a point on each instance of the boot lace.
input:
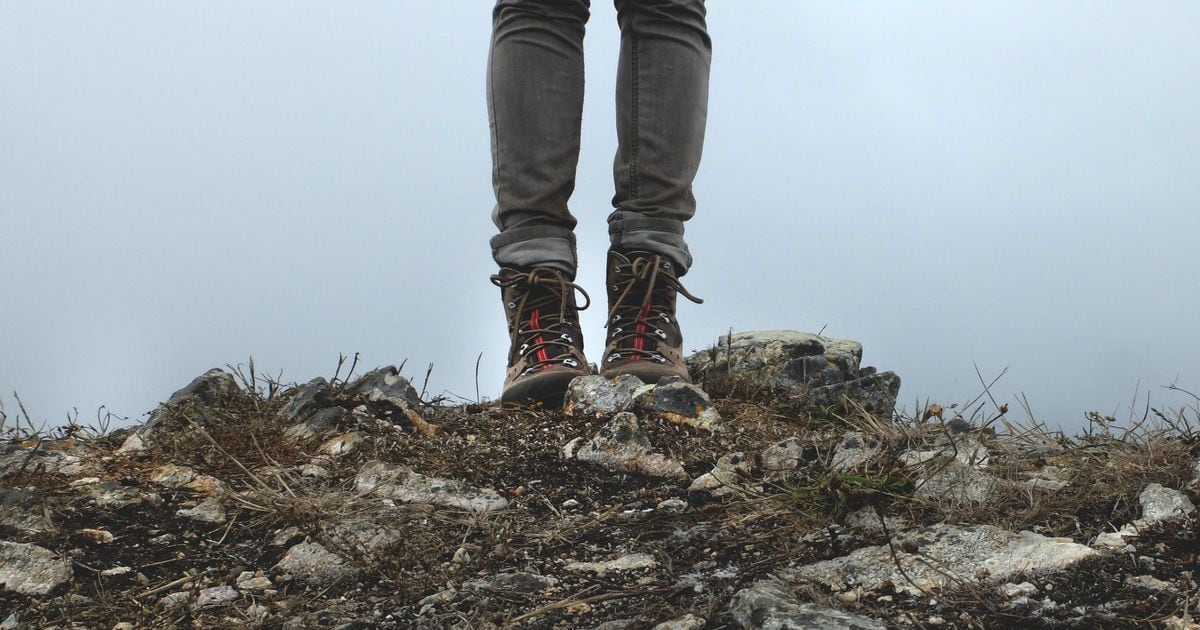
(636, 329)
(536, 319)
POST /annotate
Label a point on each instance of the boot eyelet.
(566, 337)
(659, 358)
(617, 331)
(664, 317)
(616, 317)
(570, 362)
(524, 349)
(660, 333)
(512, 305)
(614, 356)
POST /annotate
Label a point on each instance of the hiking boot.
(546, 349)
(643, 336)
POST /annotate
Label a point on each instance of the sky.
(958, 186)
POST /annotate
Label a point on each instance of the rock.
(388, 383)
(15, 459)
(780, 359)
(727, 477)
(133, 444)
(253, 581)
(116, 571)
(209, 510)
(210, 389)
(967, 451)
(678, 401)
(172, 476)
(308, 398)
(766, 605)
(855, 451)
(876, 394)
(402, 484)
(31, 570)
(175, 600)
(937, 556)
(1024, 589)
(401, 412)
(686, 622)
(519, 583)
(597, 395)
(96, 536)
(672, 505)
(318, 423)
(867, 520)
(368, 534)
(957, 483)
(1149, 583)
(783, 456)
(311, 562)
(630, 562)
(621, 445)
(1160, 504)
(111, 495)
(25, 512)
(341, 445)
(214, 596)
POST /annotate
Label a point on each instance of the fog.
(959, 186)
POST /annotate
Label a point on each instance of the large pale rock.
(783, 455)
(630, 562)
(727, 477)
(956, 483)
(938, 556)
(112, 495)
(15, 459)
(823, 371)
(209, 510)
(1160, 504)
(404, 485)
(686, 622)
(621, 445)
(597, 395)
(767, 605)
(31, 570)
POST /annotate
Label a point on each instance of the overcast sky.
(1005, 184)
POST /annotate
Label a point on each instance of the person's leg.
(662, 107)
(535, 105)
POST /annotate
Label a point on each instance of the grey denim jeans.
(535, 106)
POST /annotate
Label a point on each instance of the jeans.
(535, 106)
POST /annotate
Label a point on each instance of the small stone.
(461, 556)
(83, 481)
(113, 496)
(597, 395)
(341, 445)
(854, 451)
(307, 398)
(783, 455)
(133, 445)
(388, 382)
(686, 622)
(320, 422)
(1149, 583)
(518, 583)
(679, 401)
(672, 505)
(956, 483)
(214, 596)
(767, 605)
(210, 389)
(727, 476)
(172, 476)
(175, 600)
(875, 394)
(96, 536)
(209, 510)
(622, 446)
(570, 504)
(1024, 589)
(402, 484)
(31, 570)
(286, 536)
(25, 511)
(312, 562)
(630, 562)
(253, 581)
(116, 571)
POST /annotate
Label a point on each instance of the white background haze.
(1002, 184)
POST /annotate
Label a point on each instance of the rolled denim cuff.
(650, 234)
(538, 246)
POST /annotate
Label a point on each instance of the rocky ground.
(787, 496)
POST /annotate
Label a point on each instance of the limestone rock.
(16, 459)
(518, 583)
(957, 483)
(781, 359)
(210, 389)
(854, 451)
(305, 400)
(630, 562)
(727, 476)
(114, 496)
(935, 556)
(214, 596)
(783, 456)
(686, 622)
(402, 484)
(597, 395)
(678, 401)
(25, 512)
(621, 445)
(766, 605)
(875, 393)
(341, 445)
(31, 570)
(318, 423)
(311, 562)
(389, 383)
(172, 476)
(1159, 503)
(209, 510)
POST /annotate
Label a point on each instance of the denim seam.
(634, 112)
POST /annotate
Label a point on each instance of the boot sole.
(548, 387)
(649, 373)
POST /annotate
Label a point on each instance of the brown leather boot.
(546, 351)
(643, 336)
